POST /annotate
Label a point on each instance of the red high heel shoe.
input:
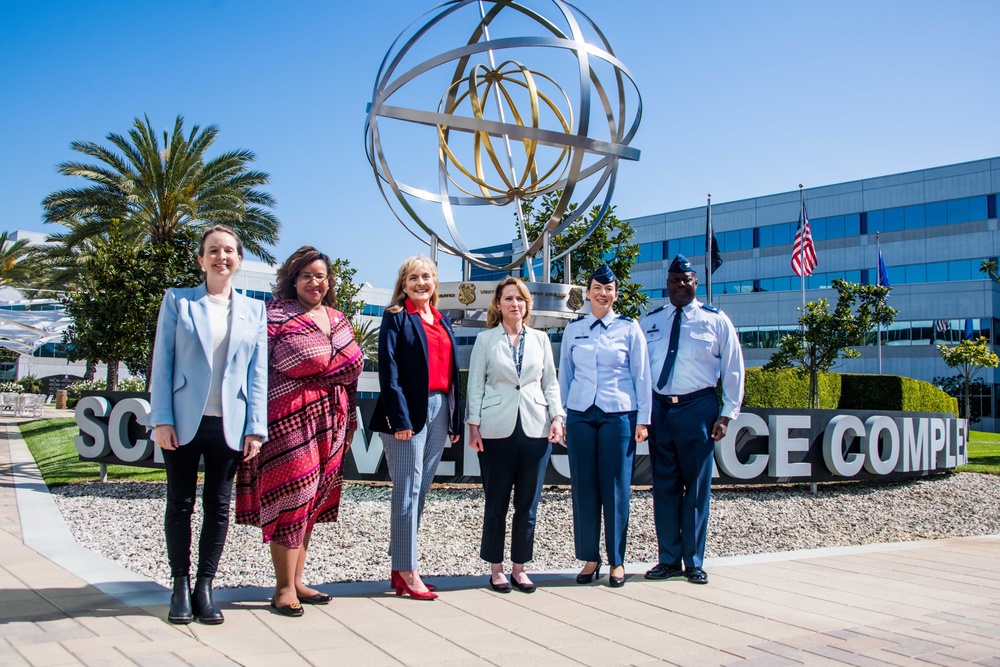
(402, 588)
(394, 577)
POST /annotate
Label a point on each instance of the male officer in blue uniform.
(691, 346)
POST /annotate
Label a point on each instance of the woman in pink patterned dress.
(313, 368)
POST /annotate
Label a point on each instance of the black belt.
(683, 398)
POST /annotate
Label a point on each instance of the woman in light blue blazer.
(514, 415)
(208, 399)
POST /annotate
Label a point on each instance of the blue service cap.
(604, 275)
(681, 264)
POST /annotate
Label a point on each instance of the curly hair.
(289, 273)
(399, 293)
(493, 314)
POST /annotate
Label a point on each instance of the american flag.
(941, 326)
(803, 252)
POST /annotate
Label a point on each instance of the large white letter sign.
(874, 463)
(725, 449)
(779, 465)
(833, 445)
(916, 449)
(118, 430)
(94, 443)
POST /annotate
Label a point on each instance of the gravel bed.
(123, 521)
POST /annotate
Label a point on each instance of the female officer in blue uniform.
(605, 382)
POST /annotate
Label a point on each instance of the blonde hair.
(493, 314)
(399, 294)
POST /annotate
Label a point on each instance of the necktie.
(668, 363)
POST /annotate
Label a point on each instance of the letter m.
(916, 446)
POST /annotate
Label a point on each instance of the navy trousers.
(681, 451)
(182, 490)
(516, 463)
(601, 453)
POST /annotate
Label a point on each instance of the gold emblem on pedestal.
(466, 293)
(575, 299)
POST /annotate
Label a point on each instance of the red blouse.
(439, 357)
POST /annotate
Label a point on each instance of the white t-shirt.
(220, 311)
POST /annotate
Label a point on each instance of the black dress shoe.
(180, 602)
(499, 588)
(590, 576)
(318, 598)
(202, 604)
(294, 610)
(524, 588)
(664, 571)
(615, 582)
(696, 575)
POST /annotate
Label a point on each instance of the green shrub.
(30, 384)
(893, 392)
(788, 388)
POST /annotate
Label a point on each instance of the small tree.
(115, 306)
(969, 357)
(826, 336)
(346, 288)
(611, 242)
(954, 385)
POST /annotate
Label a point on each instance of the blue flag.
(883, 273)
(968, 330)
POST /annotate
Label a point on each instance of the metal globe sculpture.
(531, 100)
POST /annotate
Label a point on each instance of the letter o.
(874, 463)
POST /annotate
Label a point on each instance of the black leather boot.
(180, 602)
(201, 600)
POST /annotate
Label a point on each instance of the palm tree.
(158, 193)
(366, 333)
(14, 271)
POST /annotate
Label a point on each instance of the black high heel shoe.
(616, 582)
(590, 576)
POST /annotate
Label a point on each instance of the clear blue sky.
(740, 98)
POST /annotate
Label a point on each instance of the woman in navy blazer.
(418, 409)
(208, 398)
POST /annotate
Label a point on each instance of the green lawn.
(984, 453)
(51, 443)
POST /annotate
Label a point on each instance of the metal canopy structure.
(24, 331)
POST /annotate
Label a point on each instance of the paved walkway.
(935, 602)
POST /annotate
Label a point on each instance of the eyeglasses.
(309, 277)
(686, 280)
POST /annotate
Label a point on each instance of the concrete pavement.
(920, 603)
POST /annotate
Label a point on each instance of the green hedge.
(787, 388)
(893, 392)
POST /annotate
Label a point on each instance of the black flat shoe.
(318, 598)
(524, 588)
(664, 571)
(590, 576)
(294, 610)
(499, 588)
(696, 575)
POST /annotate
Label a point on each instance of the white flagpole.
(802, 249)
(709, 233)
(878, 283)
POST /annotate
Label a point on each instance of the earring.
(204, 270)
